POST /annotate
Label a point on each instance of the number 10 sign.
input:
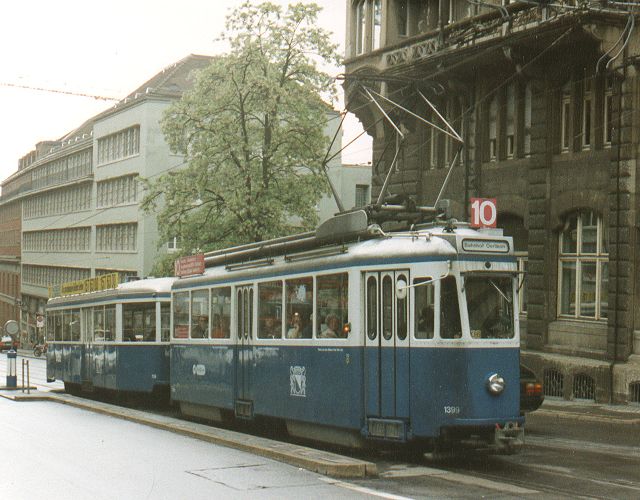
(484, 212)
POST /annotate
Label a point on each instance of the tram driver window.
(270, 310)
(450, 327)
(424, 308)
(490, 307)
(332, 299)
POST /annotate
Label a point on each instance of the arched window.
(583, 267)
(565, 127)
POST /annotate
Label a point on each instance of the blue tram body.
(427, 351)
(115, 340)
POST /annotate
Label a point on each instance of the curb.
(573, 416)
(321, 462)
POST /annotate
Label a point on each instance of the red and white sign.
(39, 321)
(484, 212)
(189, 265)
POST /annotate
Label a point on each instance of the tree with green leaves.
(252, 134)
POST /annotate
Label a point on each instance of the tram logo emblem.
(199, 370)
(298, 381)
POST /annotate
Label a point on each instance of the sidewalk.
(583, 420)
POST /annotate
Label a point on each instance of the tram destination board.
(189, 265)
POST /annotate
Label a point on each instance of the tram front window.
(450, 327)
(490, 307)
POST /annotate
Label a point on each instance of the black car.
(531, 393)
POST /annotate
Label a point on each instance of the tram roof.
(149, 286)
(437, 242)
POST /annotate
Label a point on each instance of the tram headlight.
(495, 384)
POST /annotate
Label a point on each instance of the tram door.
(244, 322)
(387, 344)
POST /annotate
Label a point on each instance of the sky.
(108, 49)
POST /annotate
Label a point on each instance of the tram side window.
(424, 308)
(87, 323)
(104, 323)
(165, 322)
(110, 323)
(270, 310)
(50, 326)
(98, 324)
(139, 322)
(200, 314)
(181, 315)
(57, 325)
(299, 308)
(221, 313)
(332, 299)
(372, 307)
(387, 307)
(71, 325)
(450, 327)
(402, 309)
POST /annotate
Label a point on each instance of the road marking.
(362, 489)
(457, 478)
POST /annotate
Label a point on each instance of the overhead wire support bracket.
(451, 132)
(391, 122)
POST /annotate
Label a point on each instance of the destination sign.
(103, 282)
(487, 246)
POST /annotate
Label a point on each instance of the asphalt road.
(75, 453)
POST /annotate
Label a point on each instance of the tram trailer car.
(408, 338)
(114, 340)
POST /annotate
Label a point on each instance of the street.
(58, 451)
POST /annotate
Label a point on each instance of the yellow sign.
(103, 282)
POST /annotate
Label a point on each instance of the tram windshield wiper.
(500, 291)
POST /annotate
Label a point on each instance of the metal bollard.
(25, 362)
(12, 379)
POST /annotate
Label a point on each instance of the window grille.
(634, 392)
(583, 387)
(553, 383)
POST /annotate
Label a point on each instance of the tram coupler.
(509, 438)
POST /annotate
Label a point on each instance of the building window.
(173, 245)
(528, 101)
(587, 102)
(583, 268)
(402, 14)
(361, 26)
(511, 120)
(368, 15)
(493, 129)
(362, 195)
(120, 145)
(116, 238)
(608, 109)
(566, 118)
(117, 191)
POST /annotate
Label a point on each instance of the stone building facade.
(545, 97)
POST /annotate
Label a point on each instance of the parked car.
(7, 343)
(531, 393)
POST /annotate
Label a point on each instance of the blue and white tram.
(115, 339)
(403, 337)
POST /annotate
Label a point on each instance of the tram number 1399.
(451, 410)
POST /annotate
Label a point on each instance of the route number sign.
(484, 212)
